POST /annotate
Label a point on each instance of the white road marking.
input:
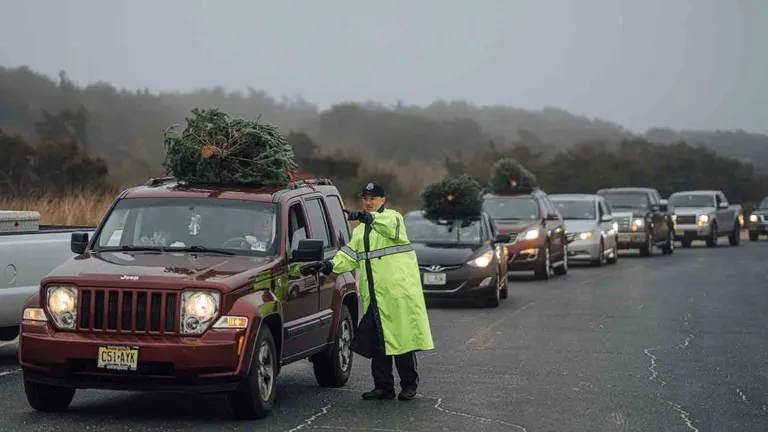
(10, 372)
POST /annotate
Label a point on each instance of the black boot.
(379, 394)
(407, 394)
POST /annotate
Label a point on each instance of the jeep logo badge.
(131, 278)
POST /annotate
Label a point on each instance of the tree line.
(59, 135)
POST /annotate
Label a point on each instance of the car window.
(318, 221)
(340, 224)
(297, 225)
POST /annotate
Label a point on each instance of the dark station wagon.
(186, 288)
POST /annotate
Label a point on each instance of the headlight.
(753, 218)
(531, 234)
(674, 218)
(585, 235)
(198, 309)
(703, 219)
(638, 222)
(62, 304)
(483, 260)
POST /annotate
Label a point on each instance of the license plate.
(623, 237)
(434, 278)
(118, 358)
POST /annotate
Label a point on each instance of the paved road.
(661, 344)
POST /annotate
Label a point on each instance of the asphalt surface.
(667, 343)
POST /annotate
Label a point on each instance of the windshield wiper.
(133, 248)
(197, 248)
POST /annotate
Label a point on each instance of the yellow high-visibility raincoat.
(389, 280)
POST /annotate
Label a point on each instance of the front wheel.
(735, 238)
(332, 369)
(47, 398)
(753, 236)
(669, 248)
(255, 396)
(712, 240)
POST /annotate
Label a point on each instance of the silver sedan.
(590, 228)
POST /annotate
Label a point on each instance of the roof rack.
(160, 181)
(309, 182)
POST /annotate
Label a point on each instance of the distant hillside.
(125, 126)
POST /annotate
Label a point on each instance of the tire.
(493, 298)
(248, 400)
(735, 238)
(712, 240)
(647, 249)
(505, 287)
(544, 272)
(685, 243)
(333, 368)
(669, 248)
(47, 398)
(754, 236)
(563, 269)
(600, 256)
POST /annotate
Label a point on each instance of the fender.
(257, 306)
(345, 287)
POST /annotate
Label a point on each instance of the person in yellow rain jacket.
(395, 324)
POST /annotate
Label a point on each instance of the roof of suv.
(574, 197)
(532, 193)
(169, 187)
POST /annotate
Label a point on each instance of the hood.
(623, 214)
(579, 226)
(515, 226)
(166, 270)
(760, 212)
(446, 253)
(693, 210)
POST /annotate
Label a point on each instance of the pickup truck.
(643, 219)
(193, 288)
(27, 252)
(706, 215)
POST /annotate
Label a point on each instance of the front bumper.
(632, 240)
(760, 228)
(525, 255)
(584, 250)
(458, 281)
(692, 232)
(209, 363)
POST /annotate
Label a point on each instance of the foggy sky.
(642, 63)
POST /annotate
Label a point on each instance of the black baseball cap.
(373, 189)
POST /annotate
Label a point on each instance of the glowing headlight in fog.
(62, 304)
(483, 260)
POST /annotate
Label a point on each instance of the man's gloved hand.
(324, 267)
(362, 216)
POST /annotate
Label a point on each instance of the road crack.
(4, 373)
(685, 343)
(685, 416)
(743, 397)
(473, 417)
(308, 422)
(654, 365)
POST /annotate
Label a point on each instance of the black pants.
(381, 369)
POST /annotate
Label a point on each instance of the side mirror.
(308, 250)
(502, 238)
(722, 205)
(552, 217)
(78, 242)
(606, 218)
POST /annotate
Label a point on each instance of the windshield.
(627, 199)
(422, 230)
(193, 224)
(576, 210)
(511, 209)
(763, 204)
(692, 200)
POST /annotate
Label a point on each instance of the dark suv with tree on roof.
(186, 288)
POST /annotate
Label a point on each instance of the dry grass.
(87, 208)
(73, 209)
